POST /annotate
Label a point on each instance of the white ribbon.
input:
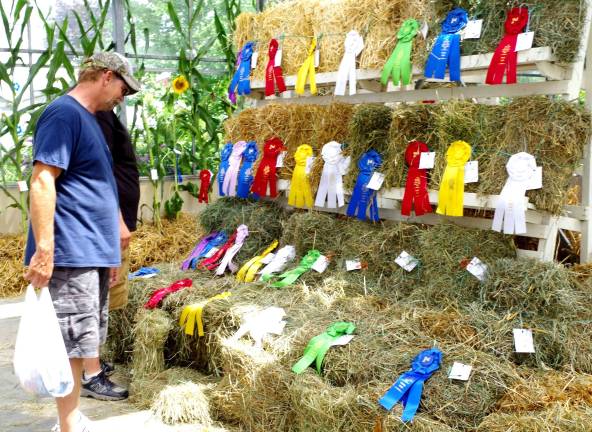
(241, 235)
(231, 177)
(510, 207)
(331, 184)
(261, 323)
(280, 260)
(354, 44)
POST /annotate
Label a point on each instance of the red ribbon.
(266, 172)
(416, 187)
(212, 262)
(273, 72)
(505, 58)
(205, 177)
(158, 295)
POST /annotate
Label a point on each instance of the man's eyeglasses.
(126, 90)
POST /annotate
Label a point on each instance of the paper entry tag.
(376, 181)
(524, 41)
(523, 341)
(211, 252)
(426, 160)
(343, 340)
(317, 58)
(254, 59)
(472, 172)
(278, 58)
(424, 29)
(267, 258)
(407, 261)
(321, 264)
(473, 29)
(283, 184)
(154, 174)
(309, 162)
(22, 186)
(279, 162)
(477, 268)
(460, 371)
(536, 181)
(351, 265)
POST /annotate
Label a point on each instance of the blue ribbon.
(245, 174)
(363, 197)
(218, 240)
(240, 81)
(143, 272)
(223, 167)
(407, 389)
(179, 176)
(446, 50)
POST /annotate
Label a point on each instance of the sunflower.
(180, 84)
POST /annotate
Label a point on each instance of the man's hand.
(124, 234)
(40, 267)
(114, 276)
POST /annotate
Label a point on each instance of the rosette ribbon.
(261, 323)
(290, 276)
(510, 210)
(446, 50)
(407, 389)
(318, 346)
(241, 83)
(279, 262)
(234, 161)
(250, 268)
(192, 315)
(232, 92)
(212, 262)
(198, 249)
(266, 176)
(354, 44)
(205, 176)
(223, 168)
(398, 67)
(245, 174)
(331, 184)
(241, 234)
(143, 273)
(273, 72)
(452, 186)
(218, 240)
(307, 70)
(159, 295)
(362, 197)
(300, 192)
(416, 187)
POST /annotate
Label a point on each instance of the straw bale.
(149, 335)
(183, 403)
(12, 282)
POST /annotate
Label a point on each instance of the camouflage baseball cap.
(117, 63)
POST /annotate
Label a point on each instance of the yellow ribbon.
(249, 270)
(300, 193)
(452, 186)
(192, 314)
(307, 69)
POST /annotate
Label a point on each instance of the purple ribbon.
(198, 249)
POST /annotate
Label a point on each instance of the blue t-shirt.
(86, 224)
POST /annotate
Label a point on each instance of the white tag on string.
(279, 163)
(406, 261)
(317, 58)
(351, 265)
(342, 340)
(254, 59)
(177, 152)
(473, 29)
(309, 162)
(376, 181)
(472, 172)
(426, 160)
(460, 371)
(536, 181)
(424, 29)
(283, 184)
(523, 341)
(154, 174)
(22, 186)
(477, 268)
(524, 41)
(267, 258)
(278, 58)
(321, 264)
(211, 252)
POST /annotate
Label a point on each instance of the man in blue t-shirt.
(73, 245)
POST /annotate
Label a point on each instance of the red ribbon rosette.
(416, 187)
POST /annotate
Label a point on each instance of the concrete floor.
(20, 412)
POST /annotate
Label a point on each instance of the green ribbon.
(289, 277)
(398, 66)
(319, 345)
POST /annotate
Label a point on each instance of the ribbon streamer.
(198, 249)
(289, 277)
(192, 314)
(205, 177)
(452, 186)
(266, 177)
(446, 50)
(212, 262)
(231, 92)
(319, 345)
(159, 295)
(307, 70)
(510, 208)
(245, 175)
(261, 323)
(241, 83)
(300, 193)
(416, 186)
(279, 262)
(241, 234)
(331, 184)
(362, 197)
(273, 73)
(219, 239)
(143, 273)
(408, 387)
(231, 177)
(505, 57)
(354, 44)
(398, 67)
(224, 163)
(249, 269)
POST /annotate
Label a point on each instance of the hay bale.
(11, 265)
(149, 335)
(557, 418)
(183, 403)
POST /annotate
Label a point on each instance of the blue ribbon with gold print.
(446, 50)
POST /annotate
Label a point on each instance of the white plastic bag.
(40, 360)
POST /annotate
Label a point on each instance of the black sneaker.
(107, 367)
(102, 388)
